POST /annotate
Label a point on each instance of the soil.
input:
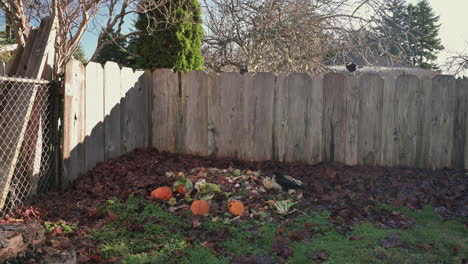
(346, 191)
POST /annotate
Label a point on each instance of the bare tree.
(74, 18)
(286, 35)
(457, 63)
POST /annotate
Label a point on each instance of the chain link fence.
(34, 102)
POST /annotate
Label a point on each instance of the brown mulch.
(330, 186)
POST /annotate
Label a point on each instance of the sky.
(453, 31)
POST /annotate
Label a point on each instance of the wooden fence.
(355, 119)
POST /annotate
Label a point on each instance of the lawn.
(146, 232)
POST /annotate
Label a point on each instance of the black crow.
(351, 66)
(287, 182)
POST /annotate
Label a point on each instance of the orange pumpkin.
(200, 207)
(181, 189)
(162, 193)
(236, 208)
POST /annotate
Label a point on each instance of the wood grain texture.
(194, 84)
(258, 116)
(74, 122)
(352, 119)
(112, 111)
(228, 124)
(94, 105)
(315, 120)
(460, 132)
(371, 88)
(280, 122)
(165, 85)
(407, 119)
(334, 117)
(387, 155)
(299, 86)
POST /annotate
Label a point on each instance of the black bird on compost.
(287, 182)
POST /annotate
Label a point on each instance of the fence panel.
(165, 106)
(407, 119)
(74, 122)
(354, 119)
(194, 86)
(334, 117)
(112, 110)
(460, 132)
(370, 119)
(94, 140)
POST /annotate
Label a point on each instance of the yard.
(345, 214)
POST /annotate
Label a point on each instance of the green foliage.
(79, 55)
(119, 51)
(175, 44)
(66, 228)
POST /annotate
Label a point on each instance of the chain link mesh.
(34, 167)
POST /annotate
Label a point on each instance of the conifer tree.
(173, 42)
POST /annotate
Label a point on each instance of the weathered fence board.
(280, 117)
(112, 110)
(351, 119)
(262, 119)
(194, 85)
(334, 117)
(127, 83)
(387, 152)
(228, 121)
(134, 109)
(299, 85)
(442, 120)
(314, 120)
(407, 119)
(460, 132)
(213, 84)
(94, 140)
(165, 106)
(74, 122)
(370, 119)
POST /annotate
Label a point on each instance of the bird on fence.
(287, 182)
(351, 66)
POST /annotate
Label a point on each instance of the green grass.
(164, 239)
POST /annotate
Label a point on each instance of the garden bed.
(351, 214)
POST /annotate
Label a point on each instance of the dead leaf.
(296, 235)
(280, 229)
(196, 223)
(210, 245)
(353, 238)
(112, 216)
(331, 174)
(320, 256)
(424, 246)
